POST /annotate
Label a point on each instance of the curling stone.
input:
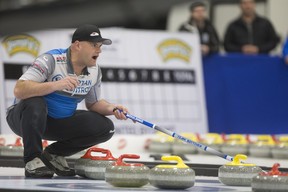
(236, 173)
(273, 180)
(235, 144)
(78, 155)
(2, 141)
(80, 163)
(96, 166)
(2, 144)
(280, 151)
(121, 174)
(212, 140)
(162, 143)
(179, 147)
(15, 149)
(262, 147)
(178, 176)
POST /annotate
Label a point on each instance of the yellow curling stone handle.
(180, 163)
(237, 161)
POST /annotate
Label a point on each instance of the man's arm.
(272, 38)
(105, 108)
(229, 44)
(214, 42)
(26, 88)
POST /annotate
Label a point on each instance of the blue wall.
(246, 94)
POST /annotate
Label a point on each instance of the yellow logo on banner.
(174, 49)
(21, 43)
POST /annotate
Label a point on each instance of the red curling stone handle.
(88, 155)
(120, 161)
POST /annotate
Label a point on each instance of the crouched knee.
(110, 129)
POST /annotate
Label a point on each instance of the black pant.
(84, 129)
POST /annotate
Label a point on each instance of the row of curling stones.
(235, 144)
(212, 140)
(16, 149)
(273, 180)
(163, 143)
(241, 174)
(122, 174)
(265, 146)
(240, 144)
(237, 173)
(94, 167)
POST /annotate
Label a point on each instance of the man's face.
(198, 13)
(89, 52)
(247, 7)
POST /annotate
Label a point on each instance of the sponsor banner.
(156, 74)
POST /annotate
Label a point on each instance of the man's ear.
(76, 45)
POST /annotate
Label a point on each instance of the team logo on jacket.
(21, 43)
(83, 88)
(57, 77)
(61, 59)
(174, 49)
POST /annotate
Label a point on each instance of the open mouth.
(94, 57)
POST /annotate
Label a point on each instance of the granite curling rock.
(2, 144)
(273, 180)
(179, 147)
(262, 147)
(280, 151)
(213, 140)
(236, 173)
(96, 166)
(235, 144)
(122, 174)
(80, 163)
(162, 143)
(78, 155)
(178, 176)
(15, 149)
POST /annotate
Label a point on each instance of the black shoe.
(37, 169)
(57, 163)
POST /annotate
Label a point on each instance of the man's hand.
(250, 49)
(120, 115)
(69, 83)
(205, 49)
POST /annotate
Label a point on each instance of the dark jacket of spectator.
(208, 34)
(260, 33)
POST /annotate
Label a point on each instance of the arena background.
(243, 94)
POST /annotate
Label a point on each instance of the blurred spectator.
(285, 50)
(208, 35)
(250, 33)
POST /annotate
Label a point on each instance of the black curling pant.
(84, 129)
